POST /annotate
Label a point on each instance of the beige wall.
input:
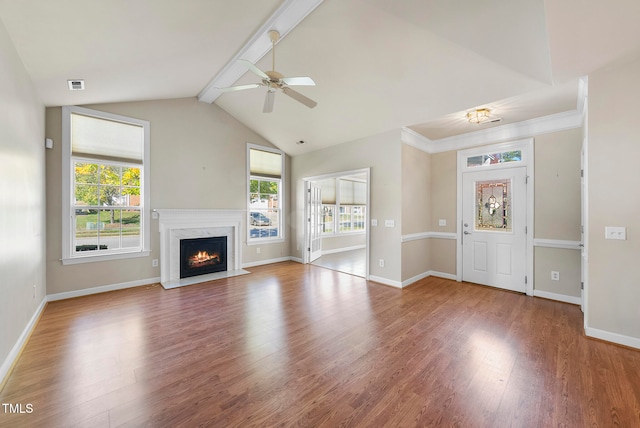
(613, 176)
(557, 185)
(557, 210)
(416, 210)
(382, 154)
(22, 201)
(443, 191)
(416, 190)
(198, 160)
(564, 261)
(337, 242)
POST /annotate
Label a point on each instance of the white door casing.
(494, 228)
(468, 163)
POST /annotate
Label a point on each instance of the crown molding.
(285, 19)
(513, 131)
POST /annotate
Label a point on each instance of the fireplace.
(177, 225)
(200, 256)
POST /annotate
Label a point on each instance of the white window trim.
(68, 256)
(281, 197)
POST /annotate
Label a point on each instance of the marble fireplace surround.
(177, 224)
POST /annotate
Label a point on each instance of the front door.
(494, 228)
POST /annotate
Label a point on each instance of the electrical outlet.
(555, 276)
(258, 250)
(381, 262)
(374, 222)
(442, 222)
(154, 262)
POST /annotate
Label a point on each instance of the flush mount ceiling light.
(479, 115)
(76, 84)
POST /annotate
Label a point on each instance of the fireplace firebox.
(199, 256)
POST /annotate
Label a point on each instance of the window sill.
(103, 257)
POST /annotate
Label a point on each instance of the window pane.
(131, 176)
(86, 232)
(111, 232)
(264, 223)
(327, 218)
(86, 172)
(494, 158)
(110, 196)
(131, 236)
(86, 194)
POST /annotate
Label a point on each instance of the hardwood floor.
(296, 345)
(353, 262)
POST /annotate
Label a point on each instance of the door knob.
(466, 233)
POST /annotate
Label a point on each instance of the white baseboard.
(15, 351)
(297, 259)
(559, 297)
(101, 289)
(266, 262)
(426, 274)
(620, 339)
(385, 281)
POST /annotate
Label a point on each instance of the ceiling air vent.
(76, 85)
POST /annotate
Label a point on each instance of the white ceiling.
(378, 64)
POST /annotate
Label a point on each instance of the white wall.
(22, 202)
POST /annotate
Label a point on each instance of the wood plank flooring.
(296, 345)
(353, 262)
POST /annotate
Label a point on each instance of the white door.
(315, 222)
(494, 228)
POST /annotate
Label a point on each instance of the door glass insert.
(493, 205)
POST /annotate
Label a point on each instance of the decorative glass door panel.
(493, 205)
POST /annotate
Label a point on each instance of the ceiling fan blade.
(298, 81)
(268, 101)
(253, 68)
(299, 97)
(241, 87)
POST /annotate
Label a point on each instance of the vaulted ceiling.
(378, 64)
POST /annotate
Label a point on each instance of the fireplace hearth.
(200, 256)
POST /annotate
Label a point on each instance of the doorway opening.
(337, 221)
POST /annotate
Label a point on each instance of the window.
(266, 168)
(494, 158)
(344, 204)
(105, 167)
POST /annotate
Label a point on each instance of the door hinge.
(582, 173)
(525, 279)
(581, 285)
(526, 230)
(309, 249)
(526, 180)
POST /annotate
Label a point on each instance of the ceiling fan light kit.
(274, 80)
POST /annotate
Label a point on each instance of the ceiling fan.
(274, 80)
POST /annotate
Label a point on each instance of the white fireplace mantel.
(176, 224)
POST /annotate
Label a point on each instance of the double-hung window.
(105, 186)
(266, 172)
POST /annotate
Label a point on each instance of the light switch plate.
(615, 232)
(389, 223)
(374, 222)
(442, 222)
